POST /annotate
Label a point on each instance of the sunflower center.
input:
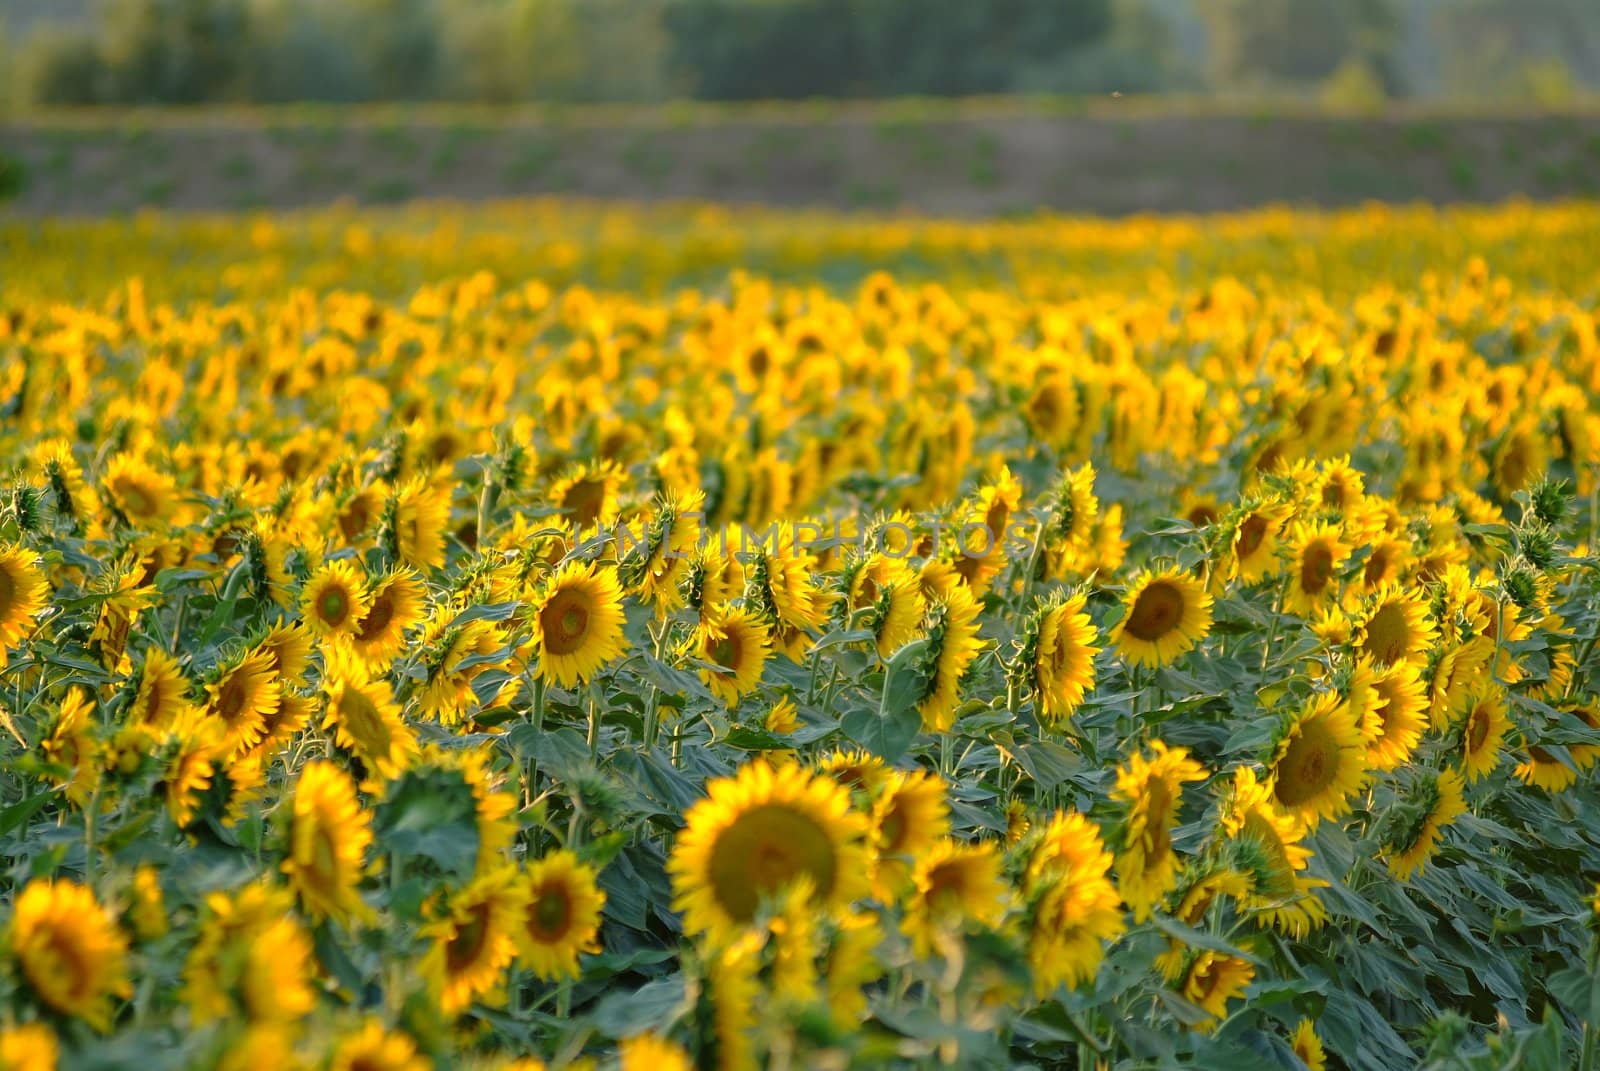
(333, 606)
(231, 700)
(136, 501)
(8, 593)
(764, 850)
(1377, 567)
(1316, 568)
(356, 518)
(550, 914)
(363, 722)
(469, 940)
(1251, 534)
(66, 960)
(324, 857)
(565, 621)
(947, 886)
(1158, 810)
(1477, 729)
(378, 617)
(724, 651)
(1309, 765)
(1540, 755)
(1388, 635)
(892, 831)
(1156, 612)
(584, 500)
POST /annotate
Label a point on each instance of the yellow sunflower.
(334, 600)
(242, 695)
(885, 598)
(734, 993)
(560, 916)
(1165, 615)
(1063, 668)
(1075, 908)
(1482, 716)
(1317, 554)
(755, 834)
(909, 816)
(1266, 847)
(329, 835)
(365, 720)
(160, 691)
(952, 630)
(1395, 628)
(1308, 1046)
(70, 747)
(1152, 789)
(29, 1047)
(954, 885)
(1415, 836)
(23, 593)
(577, 622)
(1257, 536)
(1402, 717)
(1212, 980)
(421, 516)
(394, 606)
(71, 953)
(647, 1052)
(474, 939)
(1321, 761)
(372, 1048)
(734, 638)
(139, 492)
(289, 646)
(252, 958)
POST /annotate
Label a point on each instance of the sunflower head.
(1320, 761)
(560, 918)
(71, 953)
(1165, 615)
(577, 622)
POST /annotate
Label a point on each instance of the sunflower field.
(554, 635)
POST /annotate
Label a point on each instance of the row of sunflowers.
(802, 669)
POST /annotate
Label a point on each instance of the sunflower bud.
(1550, 500)
(1537, 542)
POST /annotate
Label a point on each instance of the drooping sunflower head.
(577, 622)
(952, 628)
(953, 885)
(754, 835)
(365, 720)
(473, 938)
(1308, 1046)
(560, 918)
(1320, 761)
(1213, 979)
(23, 593)
(373, 1048)
(329, 834)
(735, 639)
(1481, 716)
(1165, 615)
(334, 600)
(1418, 822)
(394, 606)
(289, 645)
(71, 953)
(1401, 716)
(909, 816)
(1395, 628)
(1151, 788)
(1063, 659)
(1074, 907)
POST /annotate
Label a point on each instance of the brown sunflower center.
(8, 593)
(1377, 569)
(1252, 533)
(1477, 729)
(1156, 612)
(324, 867)
(66, 960)
(1388, 635)
(892, 830)
(725, 650)
(1309, 765)
(763, 851)
(365, 724)
(584, 500)
(469, 940)
(1316, 568)
(234, 697)
(377, 618)
(565, 621)
(137, 502)
(550, 913)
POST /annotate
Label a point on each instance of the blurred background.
(955, 106)
(1348, 52)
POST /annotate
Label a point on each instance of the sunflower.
(662, 560)
(29, 1047)
(242, 695)
(1063, 666)
(1075, 908)
(1320, 761)
(1401, 717)
(953, 643)
(856, 770)
(1420, 822)
(289, 646)
(884, 598)
(421, 516)
(734, 992)
(587, 495)
(1165, 615)
(560, 916)
(365, 720)
(329, 835)
(1482, 716)
(70, 747)
(1266, 847)
(850, 963)
(394, 606)
(1212, 980)
(1152, 789)
(648, 1052)
(372, 1048)
(334, 600)
(1395, 628)
(71, 953)
(252, 958)
(577, 622)
(1317, 554)
(147, 909)
(909, 816)
(734, 638)
(1074, 511)
(194, 746)
(1253, 549)
(474, 940)
(1308, 1046)
(755, 834)
(954, 885)
(23, 593)
(138, 492)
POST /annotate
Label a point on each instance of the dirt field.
(955, 163)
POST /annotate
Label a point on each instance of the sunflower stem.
(594, 723)
(1032, 568)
